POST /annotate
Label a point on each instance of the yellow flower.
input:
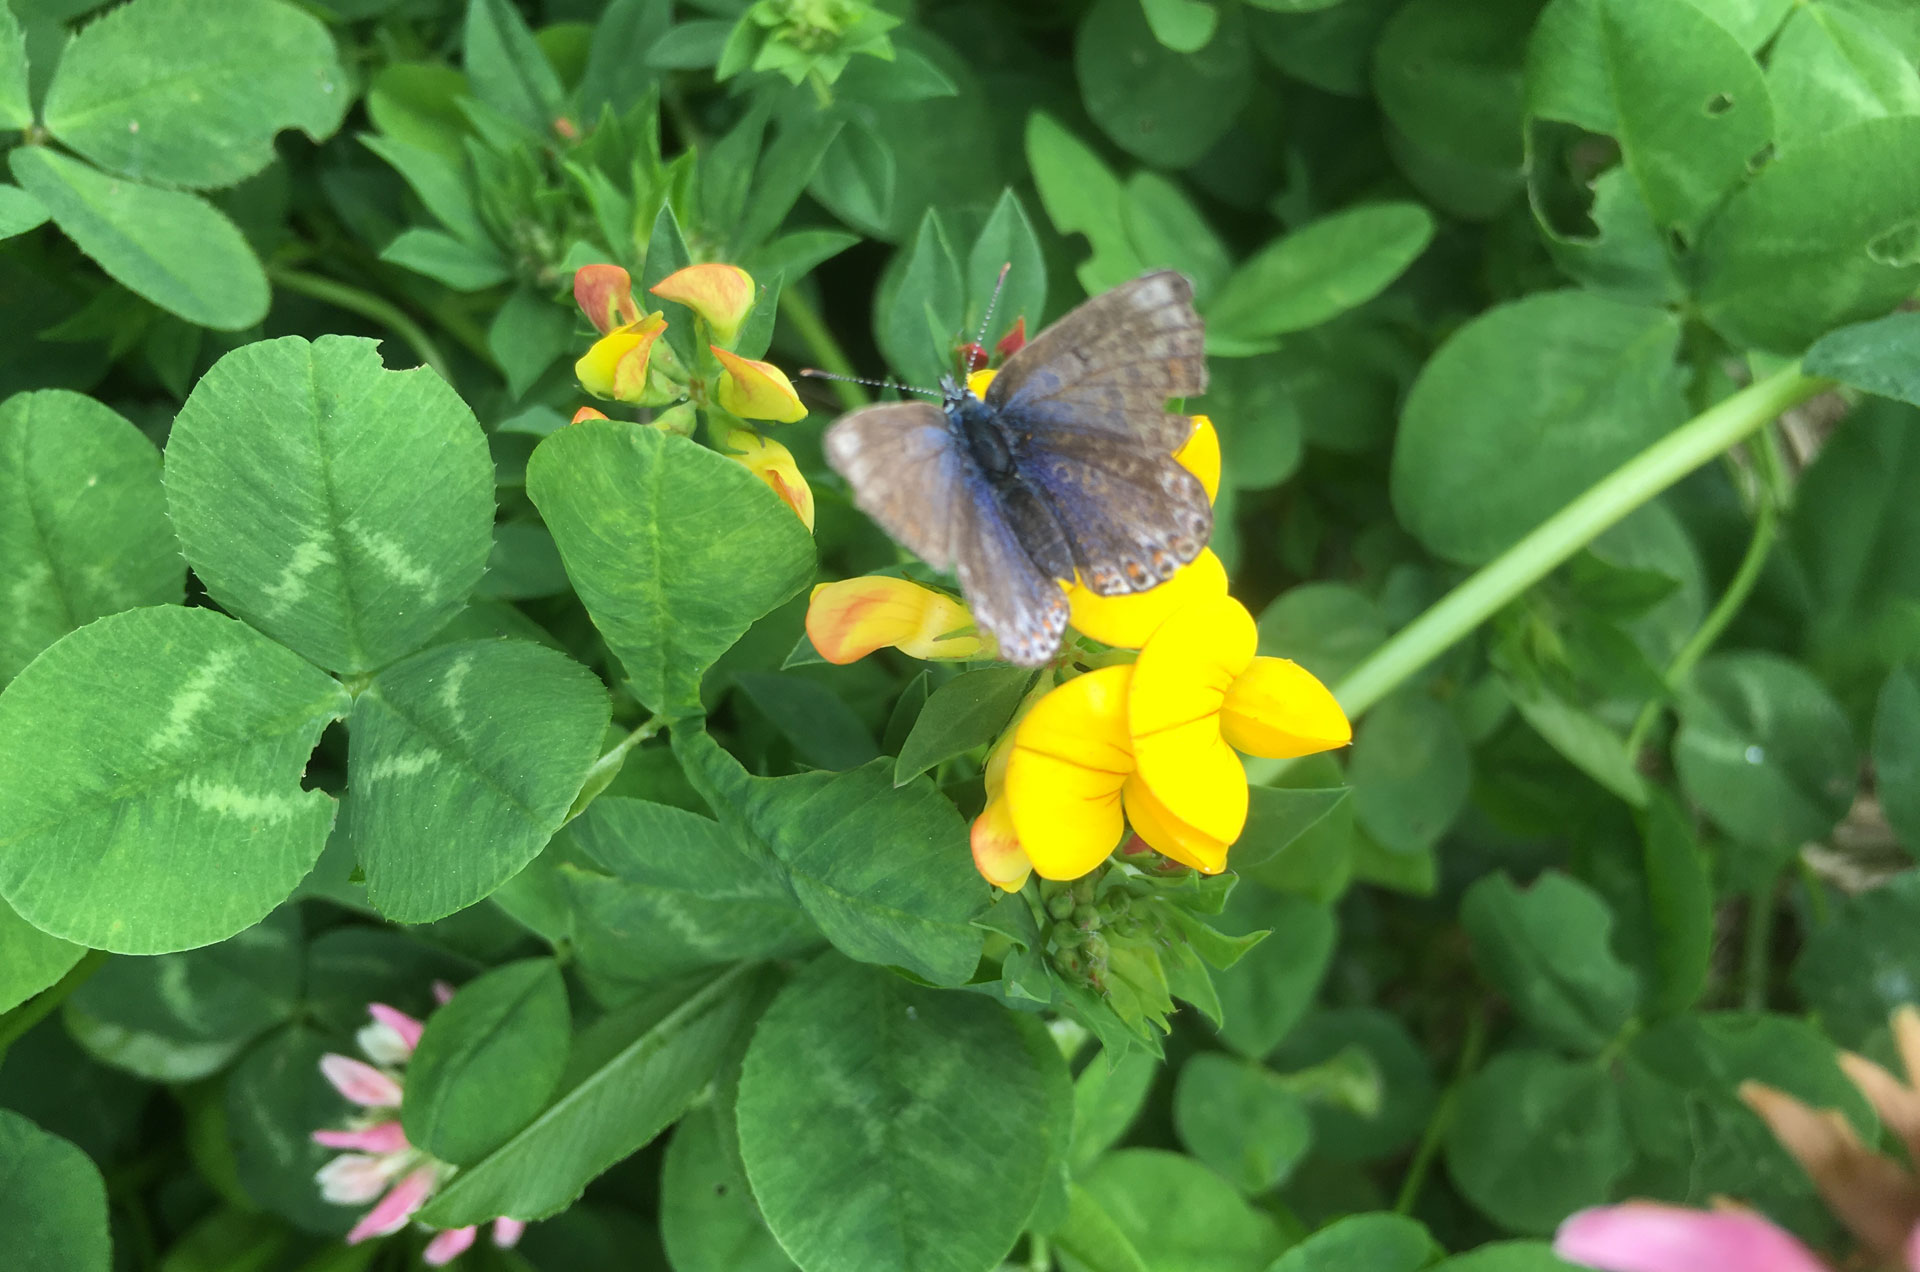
(1279, 710)
(772, 463)
(1072, 785)
(1127, 621)
(605, 295)
(1198, 692)
(850, 619)
(756, 390)
(616, 366)
(1200, 455)
(997, 853)
(1070, 759)
(587, 413)
(721, 294)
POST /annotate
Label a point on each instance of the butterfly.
(1064, 468)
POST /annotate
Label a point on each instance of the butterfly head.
(953, 392)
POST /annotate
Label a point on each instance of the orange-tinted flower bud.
(722, 294)
(605, 295)
(1015, 340)
(850, 619)
(997, 853)
(757, 390)
(616, 366)
(587, 413)
(772, 463)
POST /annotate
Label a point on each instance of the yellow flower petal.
(1196, 777)
(1070, 758)
(1200, 455)
(1185, 670)
(997, 853)
(1167, 834)
(977, 382)
(616, 366)
(722, 294)
(1277, 708)
(1128, 621)
(605, 295)
(772, 463)
(1180, 684)
(756, 390)
(850, 619)
(587, 413)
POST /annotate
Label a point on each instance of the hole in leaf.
(1565, 162)
(1760, 159)
(1719, 104)
(1898, 246)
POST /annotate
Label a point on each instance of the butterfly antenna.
(986, 321)
(811, 373)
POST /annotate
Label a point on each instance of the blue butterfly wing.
(1131, 516)
(1085, 405)
(1109, 367)
(908, 473)
(1011, 551)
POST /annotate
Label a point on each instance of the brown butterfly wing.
(1131, 516)
(905, 472)
(1110, 366)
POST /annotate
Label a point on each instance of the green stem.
(1039, 1253)
(1470, 1049)
(607, 767)
(1758, 946)
(813, 332)
(1503, 579)
(359, 301)
(36, 1009)
(1766, 529)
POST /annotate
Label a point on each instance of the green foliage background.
(1569, 432)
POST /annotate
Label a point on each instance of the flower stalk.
(1556, 540)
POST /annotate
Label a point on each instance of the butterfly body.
(1063, 470)
(979, 429)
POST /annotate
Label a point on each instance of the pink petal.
(360, 1081)
(1643, 1236)
(354, 1179)
(1913, 1249)
(448, 1246)
(393, 1018)
(442, 992)
(506, 1232)
(387, 1137)
(396, 1207)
